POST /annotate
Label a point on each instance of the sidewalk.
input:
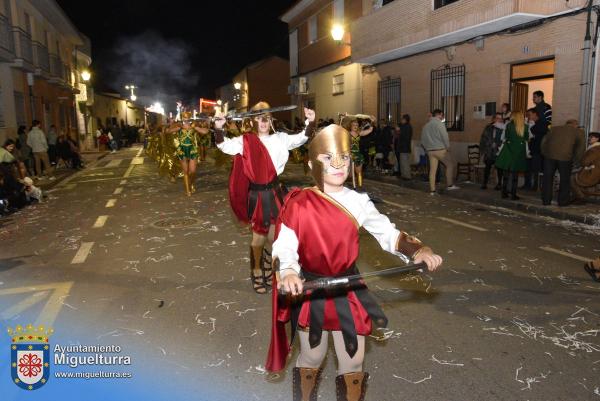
(530, 201)
(62, 173)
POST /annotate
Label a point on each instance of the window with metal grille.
(388, 100)
(448, 95)
(441, 3)
(20, 108)
(338, 84)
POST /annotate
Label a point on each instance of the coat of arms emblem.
(30, 356)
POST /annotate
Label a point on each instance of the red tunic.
(328, 246)
(253, 166)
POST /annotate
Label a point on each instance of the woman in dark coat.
(513, 154)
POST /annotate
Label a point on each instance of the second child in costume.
(317, 236)
(255, 193)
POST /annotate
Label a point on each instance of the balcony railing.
(56, 67)
(42, 59)
(24, 48)
(7, 41)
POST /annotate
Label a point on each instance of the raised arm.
(202, 130)
(230, 146)
(295, 140)
(366, 132)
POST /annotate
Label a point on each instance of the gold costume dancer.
(187, 150)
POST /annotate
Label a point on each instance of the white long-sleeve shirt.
(278, 145)
(366, 214)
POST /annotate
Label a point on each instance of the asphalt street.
(120, 256)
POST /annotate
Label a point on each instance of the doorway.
(526, 78)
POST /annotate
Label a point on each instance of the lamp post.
(85, 75)
(133, 97)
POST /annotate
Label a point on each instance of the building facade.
(111, 109)
(322, 73)
(468, 57)
(265, 80)
(38, 66)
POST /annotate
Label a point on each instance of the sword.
(327, 283)
(258, 112)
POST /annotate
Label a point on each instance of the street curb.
(540, 211)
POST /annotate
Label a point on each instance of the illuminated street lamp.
(85, 75)
(133, 97)
(337, 33)
(237, 86)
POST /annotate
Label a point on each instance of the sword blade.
(335, 282)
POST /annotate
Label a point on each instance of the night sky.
(177, 49)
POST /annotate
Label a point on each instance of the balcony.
(406, 27)
(42, 59)
(24, 50)
(57, 69)
(7, 43)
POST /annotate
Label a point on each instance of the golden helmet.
(333, 140)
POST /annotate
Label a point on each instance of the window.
(388, 100)
(338, 11)
(20, 108)
(312, 29)
(448, 95)
(27, 23)
(441, 3)
(338, 84)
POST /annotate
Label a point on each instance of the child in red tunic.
(317, 236)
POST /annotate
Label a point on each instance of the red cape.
(313, 215)
(254, 165)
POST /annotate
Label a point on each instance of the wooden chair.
(472, 161)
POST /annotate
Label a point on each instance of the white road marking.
(131, 166)
(82, 253)
(460, 223)
(118, 191)
(139, 152)
(563, 253)
(137, 160)
(396, 204)
(100, 221)
(123, 182)
(111, 202)
(114, 163)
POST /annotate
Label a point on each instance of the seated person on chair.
(584, 181)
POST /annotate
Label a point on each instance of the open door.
(520, 95)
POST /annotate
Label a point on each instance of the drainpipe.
(594, 73)
(585, 71)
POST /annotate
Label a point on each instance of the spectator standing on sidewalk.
(543, 109)
(513, 153)
(403, 147)
(434, 139)
(490, 142)
(52, 138)
(561, 147)
(537, 130)
(589, 175)
(25, 154)
(36, 139)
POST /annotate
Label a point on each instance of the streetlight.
(131, 87)
(85, 75)
(237, 86)
(337, 33)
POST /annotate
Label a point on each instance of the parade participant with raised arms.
(187, 149)
(357, 157)
(255, 193)
(317, 236)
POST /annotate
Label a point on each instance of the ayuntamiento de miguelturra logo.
(30, 356)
